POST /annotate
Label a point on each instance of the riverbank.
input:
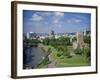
(43, 47)
(49, 50)
(47, 57)
(32, 57)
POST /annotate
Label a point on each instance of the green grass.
(43, 64)
(73, 61)
(71, 65)
(64, 61)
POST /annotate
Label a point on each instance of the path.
(53, 63)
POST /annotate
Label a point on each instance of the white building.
(27, 35)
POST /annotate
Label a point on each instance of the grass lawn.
(64, 61)
(42, 66)
(73, 61)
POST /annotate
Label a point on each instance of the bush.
(62, 57)
(86, 52)
(44, 62)
(66, 54)
(69, 56)
(46, 41)
(87, 39)
(59, 54)
(78, 51)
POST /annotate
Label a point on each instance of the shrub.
(59, 54)
(78, 51)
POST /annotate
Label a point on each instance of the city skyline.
(60, 22)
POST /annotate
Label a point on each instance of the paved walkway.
(53, 63)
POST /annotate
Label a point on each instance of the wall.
(5, 40)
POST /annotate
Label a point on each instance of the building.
(31, 35)
(52, 34)
(75, 45)
(79, 37)
(27, 35)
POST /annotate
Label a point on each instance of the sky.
(60, 22)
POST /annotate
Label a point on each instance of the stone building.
(80, 42)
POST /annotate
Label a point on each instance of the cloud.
(55, 21)
(56, 14)
(36, 17)
(74, 20)
(77, 20)
(46, 14)
(43, 13)
(59, 14)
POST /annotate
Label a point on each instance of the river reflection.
(32, 56)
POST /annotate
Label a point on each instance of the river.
(32, 56)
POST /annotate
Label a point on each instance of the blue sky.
(60, 22)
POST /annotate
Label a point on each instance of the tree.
(74, 39)
(78, 51)
(66, 54)
(64, 40)
(52, 41)
(46, 41)
(87, 39)
(59, 54)
(86, 52)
